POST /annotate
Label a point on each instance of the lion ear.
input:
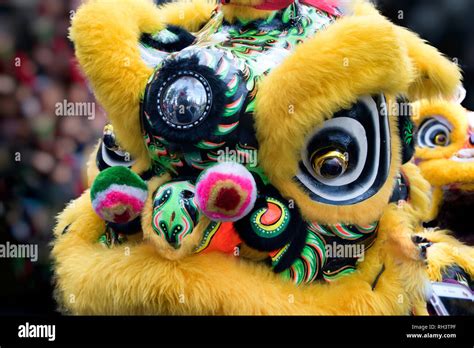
(105, 36)
(435, 75)
(459, 95)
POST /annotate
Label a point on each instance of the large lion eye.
(347, 159)
(434, 132)
(184, 101)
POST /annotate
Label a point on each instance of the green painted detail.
(257, 50)
(254, 48)
(274, 230)
(346, 231)
(160, 155)
(313, 262)
(232, 108)
(116, 175)
(213, 156)
(110, 238)
(208, 145)
(332, 277)
(408, 132)
(223, 68)
(208, 234)
(224, 129)
(315, 227)
(306, 268)
(289, 13)
(233, 85)
(250, 107)
(276, 259)
(175, 212)
(259, 171)
(203, 165)
(271, 17)
(367, 229)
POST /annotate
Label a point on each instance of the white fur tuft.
(346, 7)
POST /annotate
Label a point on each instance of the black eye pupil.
(441, 139)
(186, 194)
(331, 168)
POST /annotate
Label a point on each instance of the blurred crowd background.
(42, 155)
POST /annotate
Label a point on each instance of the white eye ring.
(430, 129)
(354, 185)
(357, 132)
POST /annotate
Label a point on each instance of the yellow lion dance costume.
(295, 96)
(445, 155)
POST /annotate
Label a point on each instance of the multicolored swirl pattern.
(260, 46)
(330, 252)
(175, 213)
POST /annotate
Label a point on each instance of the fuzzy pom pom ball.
(118, 195)
(226, 192)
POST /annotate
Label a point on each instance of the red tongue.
(329, 6)
(272, 5)
(122, 218)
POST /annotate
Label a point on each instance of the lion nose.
(471, 139)
(465, 154)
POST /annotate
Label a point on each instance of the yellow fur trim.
(399, 228)
(447, 251)
(420, 198)
(134, 279)
(442, 172)
(436, 203)
(92, 226)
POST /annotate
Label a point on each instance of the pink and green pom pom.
(226, 192)
(118, 195)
